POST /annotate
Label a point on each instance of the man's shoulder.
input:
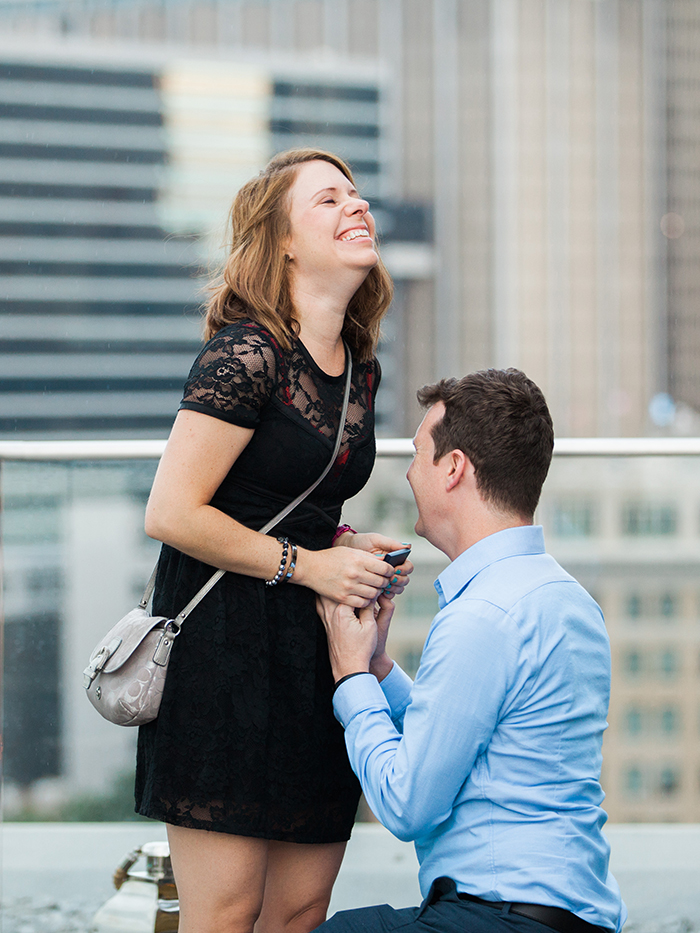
(519, 583)
(516, 614)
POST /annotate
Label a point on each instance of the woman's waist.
(312, 520)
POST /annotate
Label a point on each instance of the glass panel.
(75, 559)
(646, 584)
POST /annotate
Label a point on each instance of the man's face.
(424, 476)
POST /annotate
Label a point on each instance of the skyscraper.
(115, 180)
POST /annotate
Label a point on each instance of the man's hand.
(352, 636)
(381, 664)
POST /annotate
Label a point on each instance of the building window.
(42, 580)
(668, 606)
(633, 721)
(632, 662)
(572, 518)
(668, 663)
(411, 661)
(634, 782)
(634, 606)
(669, 781)
(644, 520)
(669, 720)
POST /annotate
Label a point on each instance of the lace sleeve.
(234, 375)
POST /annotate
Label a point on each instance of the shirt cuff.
(396, 687)
(347, 677)
(356, 695)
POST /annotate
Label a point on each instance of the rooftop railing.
(386, 447)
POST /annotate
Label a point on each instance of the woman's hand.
(350, 576)
(381, 545)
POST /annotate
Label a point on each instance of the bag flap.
(121, 641)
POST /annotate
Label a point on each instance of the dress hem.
(251, 834)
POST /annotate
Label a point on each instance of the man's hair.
(254, 281)
(500, 420)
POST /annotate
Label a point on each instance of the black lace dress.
(246, 741)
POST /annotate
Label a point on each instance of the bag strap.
(214, 579)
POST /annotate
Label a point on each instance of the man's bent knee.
(380, 919)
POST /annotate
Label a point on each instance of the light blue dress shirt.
(490, 762)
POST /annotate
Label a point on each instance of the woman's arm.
(199, 453)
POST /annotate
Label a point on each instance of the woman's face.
(331, 226)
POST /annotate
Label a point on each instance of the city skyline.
(548, 148)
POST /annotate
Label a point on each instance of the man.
(491, 760)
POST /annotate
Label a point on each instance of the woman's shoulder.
(246, 333)
(248, 343)
(235, 373)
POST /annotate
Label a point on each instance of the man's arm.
(411, 780)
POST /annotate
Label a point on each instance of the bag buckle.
(98, 662)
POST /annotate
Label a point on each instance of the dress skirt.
(246, 741)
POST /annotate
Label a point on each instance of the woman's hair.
(254, 282)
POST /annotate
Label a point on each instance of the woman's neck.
(324, 342)
(321, 319)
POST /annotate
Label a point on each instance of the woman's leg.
(220, 879)
(298, 886)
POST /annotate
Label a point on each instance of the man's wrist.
(347, 677)
(342, 667)
(381, 666)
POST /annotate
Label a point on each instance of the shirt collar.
(511, 542)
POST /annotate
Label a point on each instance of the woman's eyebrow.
(332, 190)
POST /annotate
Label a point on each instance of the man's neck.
(480, 527)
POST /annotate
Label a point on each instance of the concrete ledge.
(71, 865)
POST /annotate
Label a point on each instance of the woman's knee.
(220, 880)
(292, 918)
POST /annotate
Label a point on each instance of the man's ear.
(459, 467)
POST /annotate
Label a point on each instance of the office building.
(116, 174)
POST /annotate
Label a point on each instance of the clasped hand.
(357, 637)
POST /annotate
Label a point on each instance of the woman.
(246, 763)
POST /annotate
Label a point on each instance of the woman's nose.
(357, 206)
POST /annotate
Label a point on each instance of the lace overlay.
(246, 741)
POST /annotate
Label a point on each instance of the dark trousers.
(441, 912)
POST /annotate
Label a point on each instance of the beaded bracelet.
(283, 563)
(292, 565)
